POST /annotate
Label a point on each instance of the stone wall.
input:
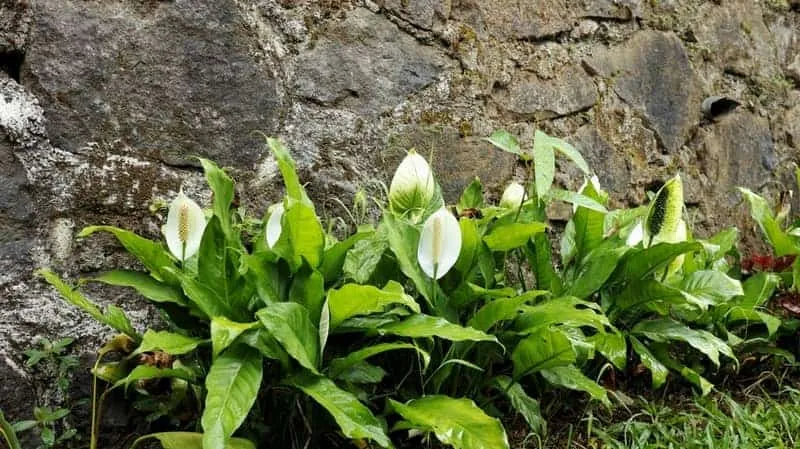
(103, 103)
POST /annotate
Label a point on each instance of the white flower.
(513, 196)
(636, 235)
(184, 228)
(439, 244)
(274, 225)
(413, 186)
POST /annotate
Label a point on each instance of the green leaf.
(502, 309)
(613, 347)
(568, 310)
(222, 186)
(113, 317)
(232, 386)
(189, 440)
(260, 270)
(302, 237)
(169, 342)
(658, 371)
(8, 433)
(425, 326)
(290, 324)
(224, 332)
(151, 254)
(353, 299)
(762, 214)
(711, 287)
(262, 341)
(689, 374)
(664, 330)
(757, 289)
(143, 372)
(647, 293)
(544, 163)
(308, 289)
(639, 263)
(472, 198)
(217, 267)
(539, 258)
(363, 258)
(144, 284)
(572, 378)
(294, 190)
(543, 349)
(589, 224)
(522, 403)
(339, 365)
(577, 199)
(362, 373)
(456, 422)
(593, 271)
(508, 236)
(205, 298)
(571, 153)
(507, 142)
(334, 257)
(354, 419)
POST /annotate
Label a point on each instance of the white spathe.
(513, 196)
(413, 187)
(274, 225)
(439, 244)
(184, 228)
(636, 235)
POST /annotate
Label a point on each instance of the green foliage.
(337, 334)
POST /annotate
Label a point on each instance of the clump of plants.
(435, 320)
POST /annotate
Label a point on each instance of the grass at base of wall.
(756, 416)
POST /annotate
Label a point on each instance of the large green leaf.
(664, 330)
(144, 284)
(169, 342)
(189, 440)
(710, 287)
(339, 365)
(113, 316)
(567, 310)
(472, 197)
(355, 420)
(334, 257)
(455, 422)
(232, 386)
(576, 199)
(642, 294)
(522, 403)
(613, 347)
(543, 349)
(294, 189)
(261, 270)
(302, 237)
(639, 263)
(658, 371)
(588, 224)
(205, 298)
(539, 255)
(757, 289)
(224, 332)
(143, 372)
(426, 326)
(502, 309)
(507, 142)
(290, 324)
(151, 254)
(222, 186)
(508, 236)
(354, 299)
(571, 153)
(218, 267)
(308, 289)
(363, 258)
(662, 352)
(544, 163)
(762, 214)
(593, 271)
(572, 378)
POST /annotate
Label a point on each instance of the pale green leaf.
(353, 299)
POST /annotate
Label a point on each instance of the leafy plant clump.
(432, 321)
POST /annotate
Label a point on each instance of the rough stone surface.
(652, 73)
(103, 103)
